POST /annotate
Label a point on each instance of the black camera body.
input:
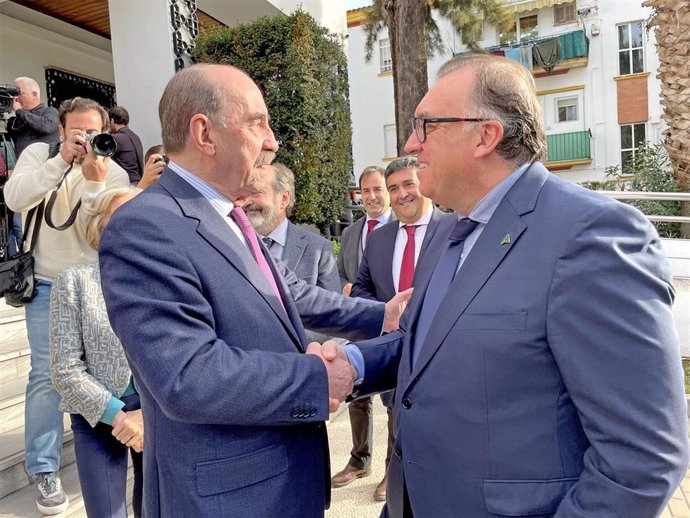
(103, 144)
(7, 95)
(163, 158)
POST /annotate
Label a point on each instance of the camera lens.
(103, 144)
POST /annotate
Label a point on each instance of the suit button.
(397, 453)
(407, 404)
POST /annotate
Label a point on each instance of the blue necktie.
(440, 282)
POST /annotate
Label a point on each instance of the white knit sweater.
(33, 179)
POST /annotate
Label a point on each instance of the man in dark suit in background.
(388, 263)
(353, 243)
(130, 152)
(308, 255)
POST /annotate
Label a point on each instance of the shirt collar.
(382, 219)
(219, 202)
(489, 203)
(279, 234)
(424, 220)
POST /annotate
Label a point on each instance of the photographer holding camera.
(33, 121)
(36, 176)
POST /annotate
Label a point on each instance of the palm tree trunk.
(408, 51)
(672, 20)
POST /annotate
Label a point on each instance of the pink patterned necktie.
(239, 217)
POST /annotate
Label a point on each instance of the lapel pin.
(505, 240)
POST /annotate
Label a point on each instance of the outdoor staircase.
(14, 372)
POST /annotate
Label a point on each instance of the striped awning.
(519, 6)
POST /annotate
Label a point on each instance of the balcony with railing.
(566, 150)
(548, 54)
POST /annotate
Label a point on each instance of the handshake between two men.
(341, 373)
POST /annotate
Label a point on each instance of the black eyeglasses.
(419, 124)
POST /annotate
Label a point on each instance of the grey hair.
(401, 163)
(505, 91)
(285, 182)
(97, 214)
(190, 91)
(369, 171)
(31, 83)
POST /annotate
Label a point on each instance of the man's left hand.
(94, 167)
(394, 309)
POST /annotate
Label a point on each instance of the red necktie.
(371, 225)
(239, 217)
(407, 265)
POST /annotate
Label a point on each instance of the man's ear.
(284, 200)
(200, 134)
(490, 135)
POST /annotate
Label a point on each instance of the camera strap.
(37, 226)
(51, 203)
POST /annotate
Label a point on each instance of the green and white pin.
(505, 240)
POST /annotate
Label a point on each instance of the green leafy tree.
(302, 70)
(650, 170)
(414, 35)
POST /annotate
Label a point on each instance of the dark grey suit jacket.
(311, 258)
(349, 257)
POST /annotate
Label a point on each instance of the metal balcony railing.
(564, 147)
(663, 196)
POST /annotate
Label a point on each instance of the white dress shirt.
(401, 241)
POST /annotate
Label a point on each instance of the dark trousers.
(362, 425)
(102, 467)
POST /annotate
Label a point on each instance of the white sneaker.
(51, 498)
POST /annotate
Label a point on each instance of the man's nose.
(271, 144)
(412, 145)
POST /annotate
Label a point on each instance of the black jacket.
(130, 153)
(39, 124)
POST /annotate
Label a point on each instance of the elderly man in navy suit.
(389, 261)
(233, 408)
(537, 367)
(310, 256)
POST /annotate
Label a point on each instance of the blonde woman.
(91, 375)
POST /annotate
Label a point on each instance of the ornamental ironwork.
(185, 28)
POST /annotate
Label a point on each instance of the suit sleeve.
(364, 285)
(328, 277)
(611, 333)
(157, 306)
(332, 313)
(341, 257)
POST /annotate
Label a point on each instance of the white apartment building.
(123, 51)
(595, 70)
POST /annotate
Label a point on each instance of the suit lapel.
(295, 245)
(382, 264)
(486, 255)
(216, 232)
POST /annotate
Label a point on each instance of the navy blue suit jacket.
(233, 410)
(375, 275)
(550, 382)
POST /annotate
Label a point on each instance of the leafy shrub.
(302, 70)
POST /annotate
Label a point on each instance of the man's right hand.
(347, 289)
(74, 147)
(128, 428)
(341, 375)
(152, 171)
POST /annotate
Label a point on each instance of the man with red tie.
(387, 267)
(353, 243)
